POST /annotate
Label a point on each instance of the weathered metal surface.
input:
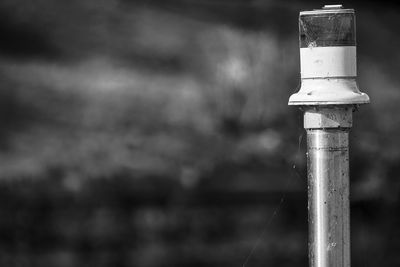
(328, 197)
(328, 117)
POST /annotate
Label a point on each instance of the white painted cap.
(334, 91)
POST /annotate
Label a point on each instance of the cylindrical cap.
(328, 60)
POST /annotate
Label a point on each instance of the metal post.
(328, 185)
(328, 96)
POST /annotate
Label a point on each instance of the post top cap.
(332, 6)
(327, 9)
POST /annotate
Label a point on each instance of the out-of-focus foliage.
(157, 133)
(121, 85)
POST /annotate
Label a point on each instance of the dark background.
(157, 133)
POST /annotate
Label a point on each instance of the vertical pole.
(328, 95)
(328, 185)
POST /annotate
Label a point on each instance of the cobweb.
(295, 174)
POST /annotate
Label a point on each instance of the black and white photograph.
(191, 133)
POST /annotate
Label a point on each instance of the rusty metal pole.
(328, 95)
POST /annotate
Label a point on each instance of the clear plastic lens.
(329, 29)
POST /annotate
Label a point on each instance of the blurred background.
(157, 133)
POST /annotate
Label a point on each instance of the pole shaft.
(328, 197)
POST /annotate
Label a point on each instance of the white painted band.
(330, 61)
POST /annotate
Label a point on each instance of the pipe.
(328, 95)
(328, 187)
